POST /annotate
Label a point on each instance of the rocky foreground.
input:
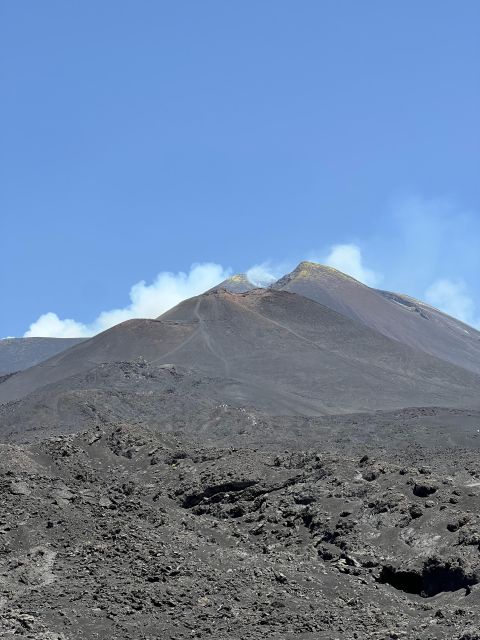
(121, 533)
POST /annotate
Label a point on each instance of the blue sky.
(144, 137)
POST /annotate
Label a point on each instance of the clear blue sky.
(144, 136)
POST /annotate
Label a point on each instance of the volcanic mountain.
(275, 351)
(396, 316)
(17, 354)
(252, 463)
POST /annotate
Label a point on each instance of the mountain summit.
(307, 270)
(238, 283)
(274, 350)
(396, 316)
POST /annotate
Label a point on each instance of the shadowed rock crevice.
(193, 499)
(432, 579)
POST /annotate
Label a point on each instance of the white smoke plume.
(429, 248)
(147, 301)
(348, 258)
(168, 289)
(261, 275)
(452, 297)
(426, 248)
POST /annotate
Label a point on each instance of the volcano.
(278, 352)
(287, 462)
(396, 316)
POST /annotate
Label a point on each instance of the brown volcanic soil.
(121, 533)
(279, 352)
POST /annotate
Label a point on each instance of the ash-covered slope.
(127, 341)
(276, 351)
(396, 316)
(17, 354)
(162, 397)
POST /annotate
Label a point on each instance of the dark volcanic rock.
(424, 489)
(96, 542)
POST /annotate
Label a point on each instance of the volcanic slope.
(17, 354)
(276, 351)
(396, 316)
